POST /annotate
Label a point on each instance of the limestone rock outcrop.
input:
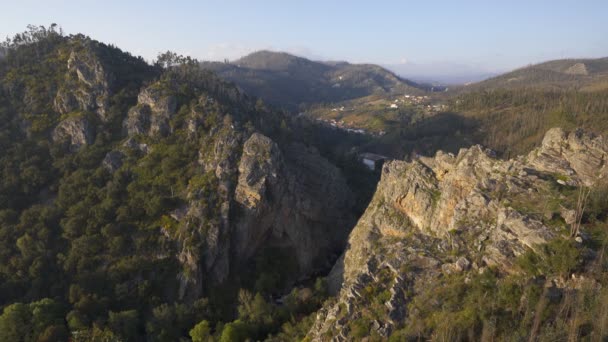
(87, 83)
(76, 131)
(155, 107)
(265, 196)
(113, 160)
(578, 156)
(454, 213)
(292, 197)
(209, 262)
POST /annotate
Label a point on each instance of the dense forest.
(512, 121)
(83, 250)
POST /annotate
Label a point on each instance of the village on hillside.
(374, 115)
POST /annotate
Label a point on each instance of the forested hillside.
(139, 201)
(563, 74)
(294, 82)
(513, 121)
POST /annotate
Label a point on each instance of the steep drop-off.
(454, 217)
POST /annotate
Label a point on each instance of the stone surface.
(293, 197)
(287, 197)
(113, 161)
(432, 216)
(155, 107)
(75, 131)
(87, 85)
(577, 155)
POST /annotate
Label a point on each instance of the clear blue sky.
(488, 35)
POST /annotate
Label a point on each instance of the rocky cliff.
(155, 107)
(87, 82)
(451, 214)
(76, 131)
(249, 194)
(293, 198)
(264, 196)
(243, 191)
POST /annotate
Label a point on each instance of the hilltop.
(294, 82)
(564, 74)
(514, 110)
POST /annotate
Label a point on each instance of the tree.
(581, 203)
(15, 323)
(236, 331)
(169, 59)
(39, 320)
(125, 324)
(201, 332)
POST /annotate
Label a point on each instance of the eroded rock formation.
(453, 213)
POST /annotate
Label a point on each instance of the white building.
(372, 161)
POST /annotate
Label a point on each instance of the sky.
(416, 37)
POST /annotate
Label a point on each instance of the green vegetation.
(514, 121)
(294, 83)
(504, 307)
(92, 255)
(556, 290)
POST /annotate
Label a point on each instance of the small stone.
(569, 215)
(112, 161)
(463, 263)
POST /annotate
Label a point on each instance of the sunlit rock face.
(451, 214)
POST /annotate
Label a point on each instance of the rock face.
(295, 198)
(155, 106)
(577, 69)
(87, 84)
(209, 263)
(579, 156)
(452, 213)
(75, 131)
(266, 196)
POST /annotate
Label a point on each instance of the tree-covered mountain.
(137, 200)
(294, 82)
(564, 74)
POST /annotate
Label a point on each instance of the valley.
(277, 198)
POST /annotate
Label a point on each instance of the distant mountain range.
(443, 73)
(580, 74)
(293, 82)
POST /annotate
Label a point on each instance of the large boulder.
(87, 83)
(75, 131)
(155, 107)
(579, 155)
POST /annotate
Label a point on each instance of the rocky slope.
(157, 189)
(454, 214)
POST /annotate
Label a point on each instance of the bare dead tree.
(581, 203)
(538, 313)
